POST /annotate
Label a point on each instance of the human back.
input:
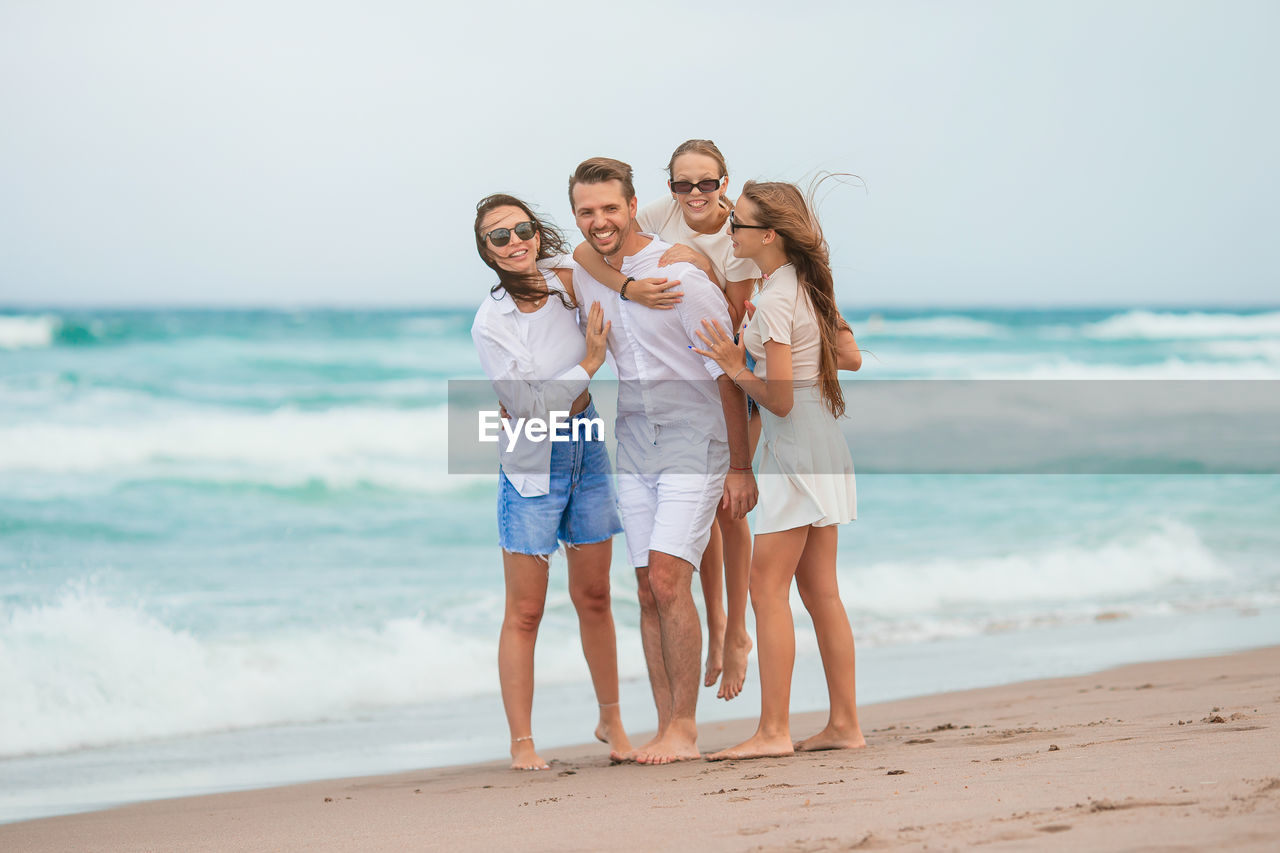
(660, 376)
(664, 218)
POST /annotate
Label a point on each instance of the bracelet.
(623, 292)
(735, 468)
(734, 377)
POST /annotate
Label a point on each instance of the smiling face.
(702, 211)
(604, 215)
(518, 256)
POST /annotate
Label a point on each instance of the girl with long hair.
(531, 346)
(806, 473)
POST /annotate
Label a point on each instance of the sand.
(1175, 755)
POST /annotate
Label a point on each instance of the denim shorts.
(580, 506)
(752, 405)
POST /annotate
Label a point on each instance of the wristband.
(735, 468)
(623, 292)
(734, 377)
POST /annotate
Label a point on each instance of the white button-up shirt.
(534, 370)
(660, 378)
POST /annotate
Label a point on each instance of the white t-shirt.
(784, 314)
(660, 378)
(664, 218)
(532, 361)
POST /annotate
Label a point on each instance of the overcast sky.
(296, 153)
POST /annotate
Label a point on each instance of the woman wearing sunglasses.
(532, 349)
(695, 219)
(793, 335)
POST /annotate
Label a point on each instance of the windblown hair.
(522, 287)
(783, 208)
(697, 146)
(599, 170)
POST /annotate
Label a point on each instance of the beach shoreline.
(1175, 754)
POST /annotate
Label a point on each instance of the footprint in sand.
(756, 830)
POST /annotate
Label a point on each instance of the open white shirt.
(660, 377)
(532, 361)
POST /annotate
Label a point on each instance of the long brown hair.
(522, 287)
(782, 207)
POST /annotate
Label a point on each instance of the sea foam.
(393, 448)
(1158, 564)
(1171, 368)
(26, 331)
(940, 326)
(84, 670)
(1149, 325)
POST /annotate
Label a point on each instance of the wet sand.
(1173, 755)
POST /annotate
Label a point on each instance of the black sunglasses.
(734, 224)
(710, 185)
(502, 236)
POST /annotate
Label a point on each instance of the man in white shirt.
(682, 441)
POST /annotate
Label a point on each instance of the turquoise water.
(231, 553)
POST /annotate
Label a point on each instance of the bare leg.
(681, 639)
(526, 580)
(816, 579)
(711, 575)
(651, 639)
(735, 534)
(589, 591)
(773, 565)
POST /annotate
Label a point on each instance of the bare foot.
(523, 757)
(650, 742)
(639, 749)
(756, 746)
(610, 731)
(735, 667)
(833, 738)
(667, 749)
(715, 650)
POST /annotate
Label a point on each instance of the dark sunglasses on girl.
(502, 236)
(734, 224)
(710, 185)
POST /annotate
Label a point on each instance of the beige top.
(784, 314)
(663, 217)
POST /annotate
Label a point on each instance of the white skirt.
(806, 473)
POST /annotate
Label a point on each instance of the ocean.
(232, 553)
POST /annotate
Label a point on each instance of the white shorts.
(668, 490)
